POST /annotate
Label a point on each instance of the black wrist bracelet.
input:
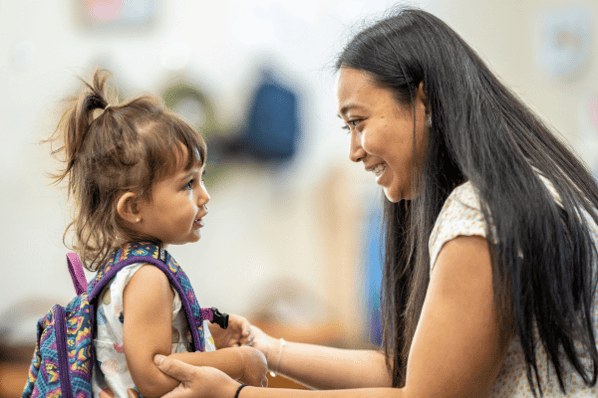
(239, 390)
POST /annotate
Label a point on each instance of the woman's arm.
(147, 326)
(459, 344)
(208, 382)
(322, 367)
(458, 338)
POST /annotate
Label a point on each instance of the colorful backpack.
(64, 354)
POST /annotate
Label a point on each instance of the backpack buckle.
(162, 254)
(219, 318)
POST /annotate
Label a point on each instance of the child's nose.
(203, 197)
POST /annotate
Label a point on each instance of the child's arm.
(147, 329)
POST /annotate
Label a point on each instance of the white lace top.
(461, 215)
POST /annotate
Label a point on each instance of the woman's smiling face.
(383, 131)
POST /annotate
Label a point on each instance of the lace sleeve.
(460, 216)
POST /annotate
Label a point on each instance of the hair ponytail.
(80, 114)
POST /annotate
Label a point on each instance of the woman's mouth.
(379, 170)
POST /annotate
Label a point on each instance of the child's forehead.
(195, 168)
(183, 169)
(183, 160)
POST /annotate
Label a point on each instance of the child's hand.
(237, 334)
(255, 367)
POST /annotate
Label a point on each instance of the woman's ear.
(422, 100)
(420, 95)
(127, 207)
(421, 92)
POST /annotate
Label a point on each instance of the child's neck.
(162, 245)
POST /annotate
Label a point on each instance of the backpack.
(64, 354)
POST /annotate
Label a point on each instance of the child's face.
(174, 215)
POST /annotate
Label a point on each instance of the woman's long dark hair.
(544, 255)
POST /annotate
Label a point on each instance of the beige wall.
(506, 35)
(264, 230)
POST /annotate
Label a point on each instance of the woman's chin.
(392, 195)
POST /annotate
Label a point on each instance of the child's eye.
(189, 184)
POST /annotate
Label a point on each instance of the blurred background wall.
(291, 240)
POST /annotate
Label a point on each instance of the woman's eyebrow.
(346, 108)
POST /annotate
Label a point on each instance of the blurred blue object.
(373, 259)
(272, 123)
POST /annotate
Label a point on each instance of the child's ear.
(127, 208)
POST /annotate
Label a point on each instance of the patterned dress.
(461, 215)
(111, 377)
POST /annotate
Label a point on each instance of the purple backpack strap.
(215, 316)
(77, 273)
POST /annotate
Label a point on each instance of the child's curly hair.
(109, 149)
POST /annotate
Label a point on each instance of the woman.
(490, 269)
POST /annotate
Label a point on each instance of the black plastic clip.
(162, 255)
(220, 318)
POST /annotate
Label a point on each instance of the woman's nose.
(356, 152)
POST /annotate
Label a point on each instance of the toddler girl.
(135, 173)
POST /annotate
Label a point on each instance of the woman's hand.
(195, 381)
(237, 333)
(269, 346)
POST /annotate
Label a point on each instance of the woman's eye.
(352, 123)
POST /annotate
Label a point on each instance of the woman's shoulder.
(464, 195)
(463, 203)
(461, 215)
